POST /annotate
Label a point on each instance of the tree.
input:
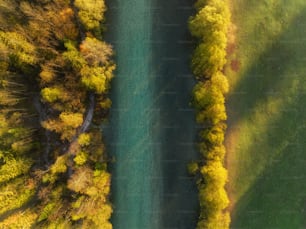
(97, 78)
(210, 27)
(19, 220)
(48, 164)
(207, 94)
(81, 158)
(21, 51)
(51, 94)
(91, 12)
(81, 180)
(220, 81)
(84, 139)
(71, 119)
(95, 52)
(73, 56)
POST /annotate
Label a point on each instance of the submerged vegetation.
(55, 71)
(210, 27)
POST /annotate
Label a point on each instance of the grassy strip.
(210, 26)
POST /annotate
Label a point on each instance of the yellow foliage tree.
(106, 104)
(96, 52)
(54, 48)
(73, 120)
(94, 78)
(81, 158)
(207, 94)
(60, 165)
(12, 167)
(47, 74)
(210, 26)
(73, 56)
(51, 94)
(84, 139)
(220, 81)
(91, 12)
(19, 47)
(19, 220)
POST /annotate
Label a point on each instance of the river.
(151, 130)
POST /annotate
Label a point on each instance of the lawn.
(266, 137)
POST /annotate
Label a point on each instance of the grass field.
(266, 138)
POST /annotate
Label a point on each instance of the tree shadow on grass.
(255, 87)
(276, 198)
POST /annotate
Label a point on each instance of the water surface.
(151, 131)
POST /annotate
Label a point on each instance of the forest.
(55, 75)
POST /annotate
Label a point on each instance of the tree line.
(55, 73)
(210, 26)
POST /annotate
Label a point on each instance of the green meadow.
(266, 137)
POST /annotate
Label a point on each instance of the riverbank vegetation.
(210, 27)
(55, 71)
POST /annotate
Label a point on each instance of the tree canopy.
(210, 26)
(55, 72)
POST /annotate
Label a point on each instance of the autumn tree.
(54, 50)
(210, 27)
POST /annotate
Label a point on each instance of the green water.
(151, 131)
